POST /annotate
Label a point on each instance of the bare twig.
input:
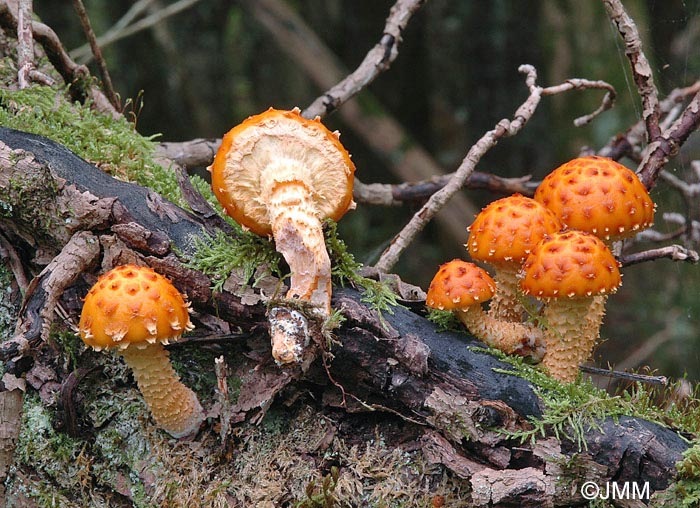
(585, 84)
(73, 74)
(377, 60)
(641, 70)
(673, 252)
(25, 43)
(629, 376)
(504, 128)
(138, 26)
(97, 52)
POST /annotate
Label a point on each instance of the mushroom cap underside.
(597, 195)
(570, 264)
(459, 284)
(132, 305)
(275, 148)
(509, 228)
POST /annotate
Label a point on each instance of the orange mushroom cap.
(598, 195)
(132, 305)
(459, 284)
(570, 264)
(509, 228)
(274, 149)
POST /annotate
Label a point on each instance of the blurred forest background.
(198, 73)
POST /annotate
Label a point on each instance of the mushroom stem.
(174, 406)
(298, 235)
(505, 304)
(572, 329)
(511, 338)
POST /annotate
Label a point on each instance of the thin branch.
(74, 75)
(15, 263)
(641, 70)
(673, 252)
(585, 84)
(139, 26)
(629, 376)
(377, 60)
(97, 52)
(504, 128)
(25, 43)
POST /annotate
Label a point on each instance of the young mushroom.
(597, 195)
(461, 287)
(278, 173)
(502, 235)
(573, 272)
(135, 310)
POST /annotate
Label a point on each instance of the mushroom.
(597, 195)
(278, 173)
(461, 287)
(503, 234)
(573, 272)
(135, 310)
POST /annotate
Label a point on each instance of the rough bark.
(398, 363)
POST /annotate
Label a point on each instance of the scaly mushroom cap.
(458, 285)
(597, 195)
(275, 148)
(570, 264)
(132, 305)
(509, 228)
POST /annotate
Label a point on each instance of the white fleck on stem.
(174, 406)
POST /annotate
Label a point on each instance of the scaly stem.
(572, 329)
(175, 407)
(511, 338)
(505, 304)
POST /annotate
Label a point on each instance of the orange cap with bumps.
(130, 305)
(598, 195)
(459, 284)
(509, 228)
(570, 264)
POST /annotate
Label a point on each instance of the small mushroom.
(573, 272)
(135, 310)
(278, 173)
(461, 287)
(502, 235)
(597, 195)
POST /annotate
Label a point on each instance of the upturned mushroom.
(461, 287)
(135, 310)
(573, 272)
(597, 195)
(280, 174)
(502, 235)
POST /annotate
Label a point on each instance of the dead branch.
(504, 128)
(641, 70)
(74, 75)
(672, 252)
(377, 60)
(97, 52)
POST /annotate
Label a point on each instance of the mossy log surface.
(457, 397)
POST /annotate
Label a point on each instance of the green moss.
(685, 492)
(113, 144)
(445, 320)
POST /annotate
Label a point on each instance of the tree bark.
(396, 363)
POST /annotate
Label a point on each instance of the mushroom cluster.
(280, 174)
(553, 248)
(135, 311)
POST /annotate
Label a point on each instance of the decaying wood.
(397, 363)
